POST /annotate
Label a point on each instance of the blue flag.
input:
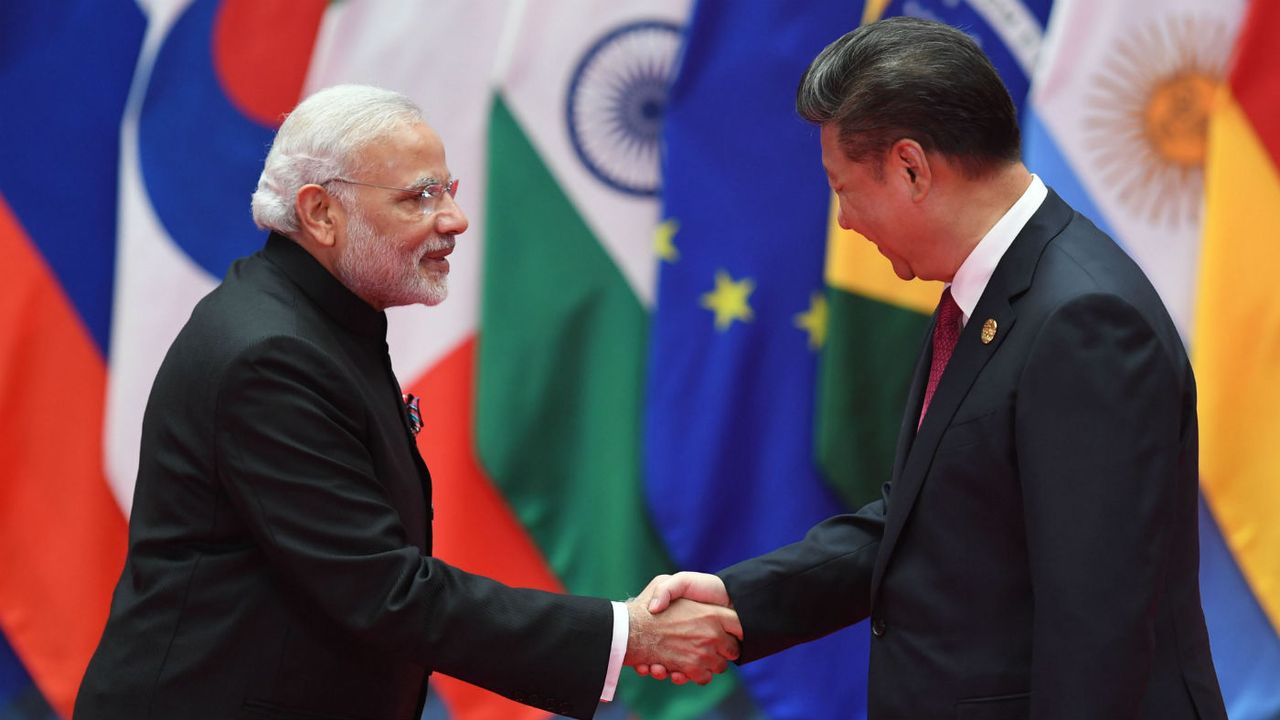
(65, 70)
(729, 422)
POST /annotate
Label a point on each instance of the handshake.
(683, 627)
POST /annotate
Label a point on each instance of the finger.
(642, 669)
(731, 623)
(658, 672)
(730, 652)
(727, 646)
(679, 678)
(700, 676)
(664, 592)
(718, 665)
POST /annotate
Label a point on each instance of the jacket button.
(877, 627)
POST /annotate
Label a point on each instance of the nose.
(450, 219)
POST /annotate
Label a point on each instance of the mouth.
(441, 252)
(436, 256)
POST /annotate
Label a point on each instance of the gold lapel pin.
(988, 331)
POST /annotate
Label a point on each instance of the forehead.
(405, 154)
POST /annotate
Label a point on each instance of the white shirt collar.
(975, 272)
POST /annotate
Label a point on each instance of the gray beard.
(383, 275)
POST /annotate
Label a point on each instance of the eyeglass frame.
(450, 186)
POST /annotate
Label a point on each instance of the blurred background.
(657, 352)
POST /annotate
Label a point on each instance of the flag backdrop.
(637, 368)
(1236, 350)
(568, 282)
(739, 322)
(1121, 100)
(62, 535)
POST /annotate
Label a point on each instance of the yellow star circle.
(814, 320)
(664, 245)
(729, 300)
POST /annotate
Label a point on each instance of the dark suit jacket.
(279, 559)
(1035, 554)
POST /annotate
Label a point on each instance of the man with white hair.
(279, 559)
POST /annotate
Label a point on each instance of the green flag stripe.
(562, 347)
(865, 369)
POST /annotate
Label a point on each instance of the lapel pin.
(988, 331)
(412, 412)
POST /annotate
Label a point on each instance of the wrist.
(639, 639)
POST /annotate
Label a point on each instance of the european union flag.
(740, 318)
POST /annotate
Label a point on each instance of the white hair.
(319, 140)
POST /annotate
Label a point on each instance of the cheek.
(416, 242)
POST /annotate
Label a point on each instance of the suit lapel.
(915, 397)
(916, 450)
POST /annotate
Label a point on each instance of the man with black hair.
(1035, 553)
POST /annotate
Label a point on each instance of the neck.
(979, 206)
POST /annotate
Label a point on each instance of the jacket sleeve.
(1102, 415)
(295, 468)
(808, 589)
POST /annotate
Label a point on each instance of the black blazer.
(1035, 554)
(279, 559)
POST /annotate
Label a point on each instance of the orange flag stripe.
(63, 533)
(475, 528)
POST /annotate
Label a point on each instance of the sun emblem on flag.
(1147, 116)
(616, 100)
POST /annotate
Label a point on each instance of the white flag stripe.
(441, 54)
(156, 284)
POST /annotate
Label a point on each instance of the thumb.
(671, 588)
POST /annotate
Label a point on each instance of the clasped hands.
(683, 627)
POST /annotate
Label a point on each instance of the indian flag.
(569, 281)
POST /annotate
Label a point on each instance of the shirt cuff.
(617, 651)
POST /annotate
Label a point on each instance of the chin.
(902, 270)
(436, 292)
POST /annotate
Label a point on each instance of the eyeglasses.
(428, 192)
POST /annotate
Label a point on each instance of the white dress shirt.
(975, 272)
(966, 288)
(617, 651)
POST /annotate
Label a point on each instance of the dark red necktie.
(945, 335)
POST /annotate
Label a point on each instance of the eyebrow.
(426, 180)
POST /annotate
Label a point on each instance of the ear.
(908, 161)
(319, 215)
